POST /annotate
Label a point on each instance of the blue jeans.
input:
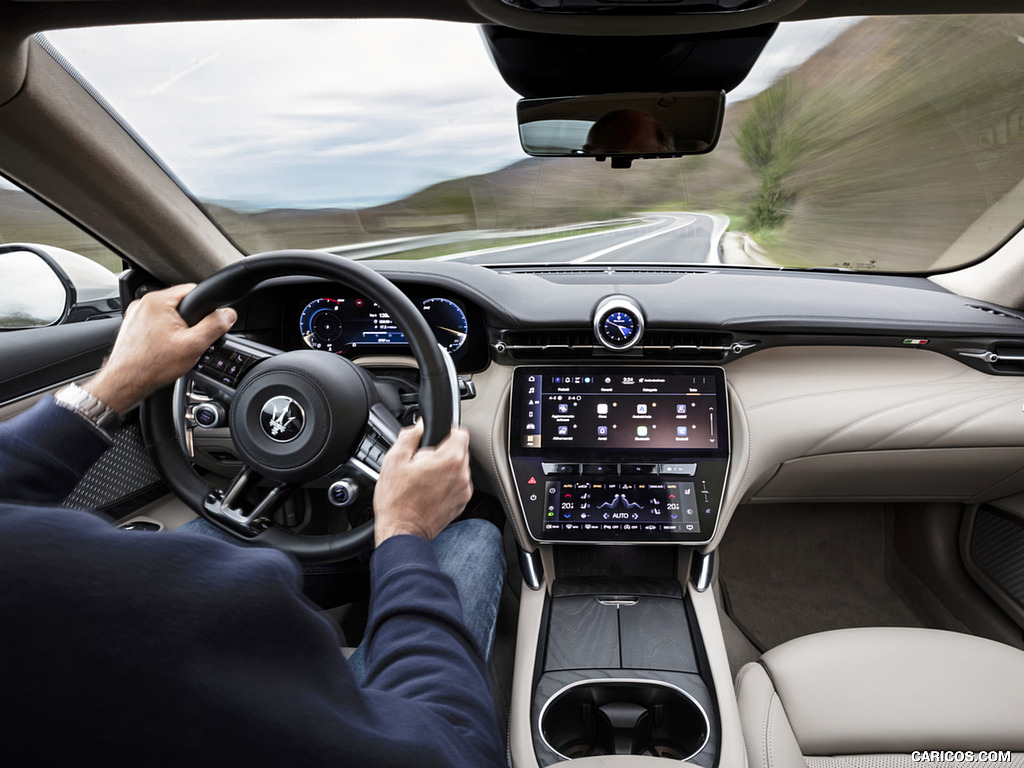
(470, 552)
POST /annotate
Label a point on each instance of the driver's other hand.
(154, 347)
(421, 490)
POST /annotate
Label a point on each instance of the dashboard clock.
(618, 323)
(619, 327)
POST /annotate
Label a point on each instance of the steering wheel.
(298, 419)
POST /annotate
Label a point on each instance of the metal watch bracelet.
(76, 399)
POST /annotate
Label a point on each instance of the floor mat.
(791, 570)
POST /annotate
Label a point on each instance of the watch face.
(618, 327)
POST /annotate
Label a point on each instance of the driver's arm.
(417, 645)
(45, 451)
(154, 347)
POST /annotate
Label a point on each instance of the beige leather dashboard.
(830, 423)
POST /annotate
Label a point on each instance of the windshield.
(884, 144)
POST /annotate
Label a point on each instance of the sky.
(328, 113)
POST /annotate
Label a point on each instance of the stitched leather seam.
(767, 744)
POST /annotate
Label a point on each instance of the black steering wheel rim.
(229, 285)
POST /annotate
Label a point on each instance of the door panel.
(37, 359)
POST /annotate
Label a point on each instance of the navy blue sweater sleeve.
(45, 451)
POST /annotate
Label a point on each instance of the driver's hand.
(154, 347)
(421, 490)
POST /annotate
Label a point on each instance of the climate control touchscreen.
(630, 454)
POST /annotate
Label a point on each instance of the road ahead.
(679, 238)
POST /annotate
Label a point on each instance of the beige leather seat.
(877, 698)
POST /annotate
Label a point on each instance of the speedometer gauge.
(320, 325)
(447, 321)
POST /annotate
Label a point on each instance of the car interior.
(762, 508)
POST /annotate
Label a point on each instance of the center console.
(619, 454)
(622, 671)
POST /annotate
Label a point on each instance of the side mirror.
(44, 285)
(622, 126)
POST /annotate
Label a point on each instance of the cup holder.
(624, 717)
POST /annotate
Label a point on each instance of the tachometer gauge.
(448, 322)
(320, 325)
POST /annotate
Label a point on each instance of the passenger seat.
(882, 698)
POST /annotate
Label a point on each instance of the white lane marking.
(467, 254)
(680, 222)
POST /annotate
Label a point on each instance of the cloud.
(318, 112)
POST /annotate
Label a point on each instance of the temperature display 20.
(623, 506)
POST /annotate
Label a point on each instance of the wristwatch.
(92, 409)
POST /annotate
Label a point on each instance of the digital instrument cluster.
(352, 325)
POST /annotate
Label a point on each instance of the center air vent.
(689, 346)
(697, 346)
(527, 344)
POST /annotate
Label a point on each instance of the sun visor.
(542, 66)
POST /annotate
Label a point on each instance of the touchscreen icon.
(681, 409)
(602, 431)
(602, 409)
(563, 407)
(563, 430)
(641, 431)
(681, 431)
(641, 408)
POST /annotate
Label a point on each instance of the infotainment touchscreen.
(620, 409)
(619, 454)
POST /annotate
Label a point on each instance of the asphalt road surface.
(678, 238)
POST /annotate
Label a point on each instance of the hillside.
(530, 194)
(897, 138)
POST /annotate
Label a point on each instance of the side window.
(51, 272)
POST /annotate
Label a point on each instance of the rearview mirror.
(622, 126)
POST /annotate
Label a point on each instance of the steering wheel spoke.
(228, 507)
(382, 430)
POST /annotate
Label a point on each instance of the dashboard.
(823, 387)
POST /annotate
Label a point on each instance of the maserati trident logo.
(282, 419)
